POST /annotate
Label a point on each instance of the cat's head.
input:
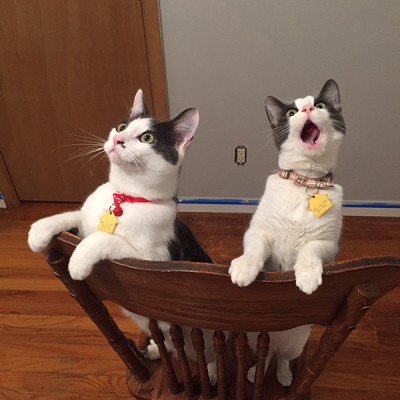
(145, 144)
(308, 132)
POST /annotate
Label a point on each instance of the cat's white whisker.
(82, 153)
(127, 104)
(89, 145)
(77, 159)
(89, 134)
(137, 166)
(86, 143)
(80, 149)
(162, 117)
(91, 159)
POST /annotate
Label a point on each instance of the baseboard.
(350, 208)
(2, 202)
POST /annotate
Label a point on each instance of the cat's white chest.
(285, 210)
(137, 224)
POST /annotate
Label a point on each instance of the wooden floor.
(49, 349)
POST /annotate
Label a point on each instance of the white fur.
(145, 229)
(285, 235)
(286, 345)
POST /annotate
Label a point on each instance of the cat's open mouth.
(310, 135)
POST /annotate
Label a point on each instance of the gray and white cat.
(145, 157)
(284, 234)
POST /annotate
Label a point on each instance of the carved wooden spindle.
(219, 348)
(359, 301)
(158, 337)
(240, 351)
(198, 344)
(99, 314)
(179, 344)
(261, 353)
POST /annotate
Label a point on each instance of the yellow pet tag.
(319, 204)
(108, 222)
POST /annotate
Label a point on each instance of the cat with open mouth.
(298, 222)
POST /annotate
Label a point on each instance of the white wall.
(225, 57)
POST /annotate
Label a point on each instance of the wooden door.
(69, 70)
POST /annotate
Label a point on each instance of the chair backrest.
(202, 296)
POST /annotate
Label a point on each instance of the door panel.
(68, 69)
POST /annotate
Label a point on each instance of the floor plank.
(49, 349)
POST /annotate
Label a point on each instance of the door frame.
(7, 187)
(155, 56)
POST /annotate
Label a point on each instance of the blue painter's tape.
(256, 202)
(372, 205)
(219, 201)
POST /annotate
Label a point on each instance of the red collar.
(122, 198)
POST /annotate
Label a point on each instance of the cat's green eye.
(146, 138)
(290, 113)
(122, 126)
(321, 106)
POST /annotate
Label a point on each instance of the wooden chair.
(202, 296)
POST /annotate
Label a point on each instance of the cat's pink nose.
(307, 109)
(117, 139)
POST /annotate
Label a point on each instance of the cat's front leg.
(45, 229)
(244, 269)
(97, 247)
(309, 263)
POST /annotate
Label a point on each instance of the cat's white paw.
(251, 374)
(40, 235)
(152, 352)
(308, 276)
(212, 372)
(244, 270)
(79, 266)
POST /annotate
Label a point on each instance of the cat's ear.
(139, 107)
(330, 93)
(185, 125)
(274, 109)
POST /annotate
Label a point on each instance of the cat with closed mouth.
(297, 224)
(134, 214)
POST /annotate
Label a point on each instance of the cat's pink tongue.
(310, 133)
